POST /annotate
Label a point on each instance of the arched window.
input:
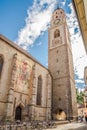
(56, 33)
(39, 90)
(1, 64)
(18, 113)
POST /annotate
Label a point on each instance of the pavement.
(71, 126)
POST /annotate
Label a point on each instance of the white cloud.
(79, 54)
(80, 90)
(39, 44)
(37, 22)
(63, 3)
(79, 81)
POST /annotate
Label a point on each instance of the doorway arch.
(18, 113)
(59, 114)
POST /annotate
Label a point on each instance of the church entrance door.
(59, 114)
(18, 113)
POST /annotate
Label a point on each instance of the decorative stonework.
(9, 109)
(13, 74)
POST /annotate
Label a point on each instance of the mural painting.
(23, 71)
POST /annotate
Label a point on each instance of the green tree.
(80, 96)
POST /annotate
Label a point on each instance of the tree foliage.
(80, 96)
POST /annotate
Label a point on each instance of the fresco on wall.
(23, 72)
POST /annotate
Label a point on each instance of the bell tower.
(60, 64)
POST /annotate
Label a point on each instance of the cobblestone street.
(71, 126)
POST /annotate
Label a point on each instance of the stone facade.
(28, 90)
(61, 67)
(18, 84)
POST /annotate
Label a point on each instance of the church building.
(30, 91)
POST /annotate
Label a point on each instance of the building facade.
(80, 7)
(61, 67)
(28, 90)
(25, 85)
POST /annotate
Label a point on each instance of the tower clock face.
(57, 21)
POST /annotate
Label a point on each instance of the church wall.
(61, 82)
(59, 57)
(8, 52)
(16, 86)
(72, 81)
(39, 112)
(74, 101)
(5, 77)
(43, 73)
(59, 98)
(61, 67)
(6, 70)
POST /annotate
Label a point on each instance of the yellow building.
(81, 11)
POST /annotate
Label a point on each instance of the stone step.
(62, 122)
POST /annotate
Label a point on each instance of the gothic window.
(39, 90)
(1, 64)
(56, 33)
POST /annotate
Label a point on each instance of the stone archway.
(18, 113)
(59, 114)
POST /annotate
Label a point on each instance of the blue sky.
(26, 22)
